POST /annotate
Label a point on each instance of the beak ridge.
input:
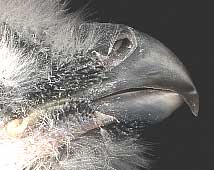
(151, 72)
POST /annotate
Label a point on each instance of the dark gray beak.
(146, 81)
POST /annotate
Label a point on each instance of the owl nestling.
(76, 95)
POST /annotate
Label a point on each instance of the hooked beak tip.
(192, 100)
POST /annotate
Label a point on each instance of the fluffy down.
(39, 40)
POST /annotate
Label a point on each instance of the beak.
(148, 85)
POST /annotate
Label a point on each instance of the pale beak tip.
(193, 102)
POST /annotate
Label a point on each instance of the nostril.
(121, 46)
